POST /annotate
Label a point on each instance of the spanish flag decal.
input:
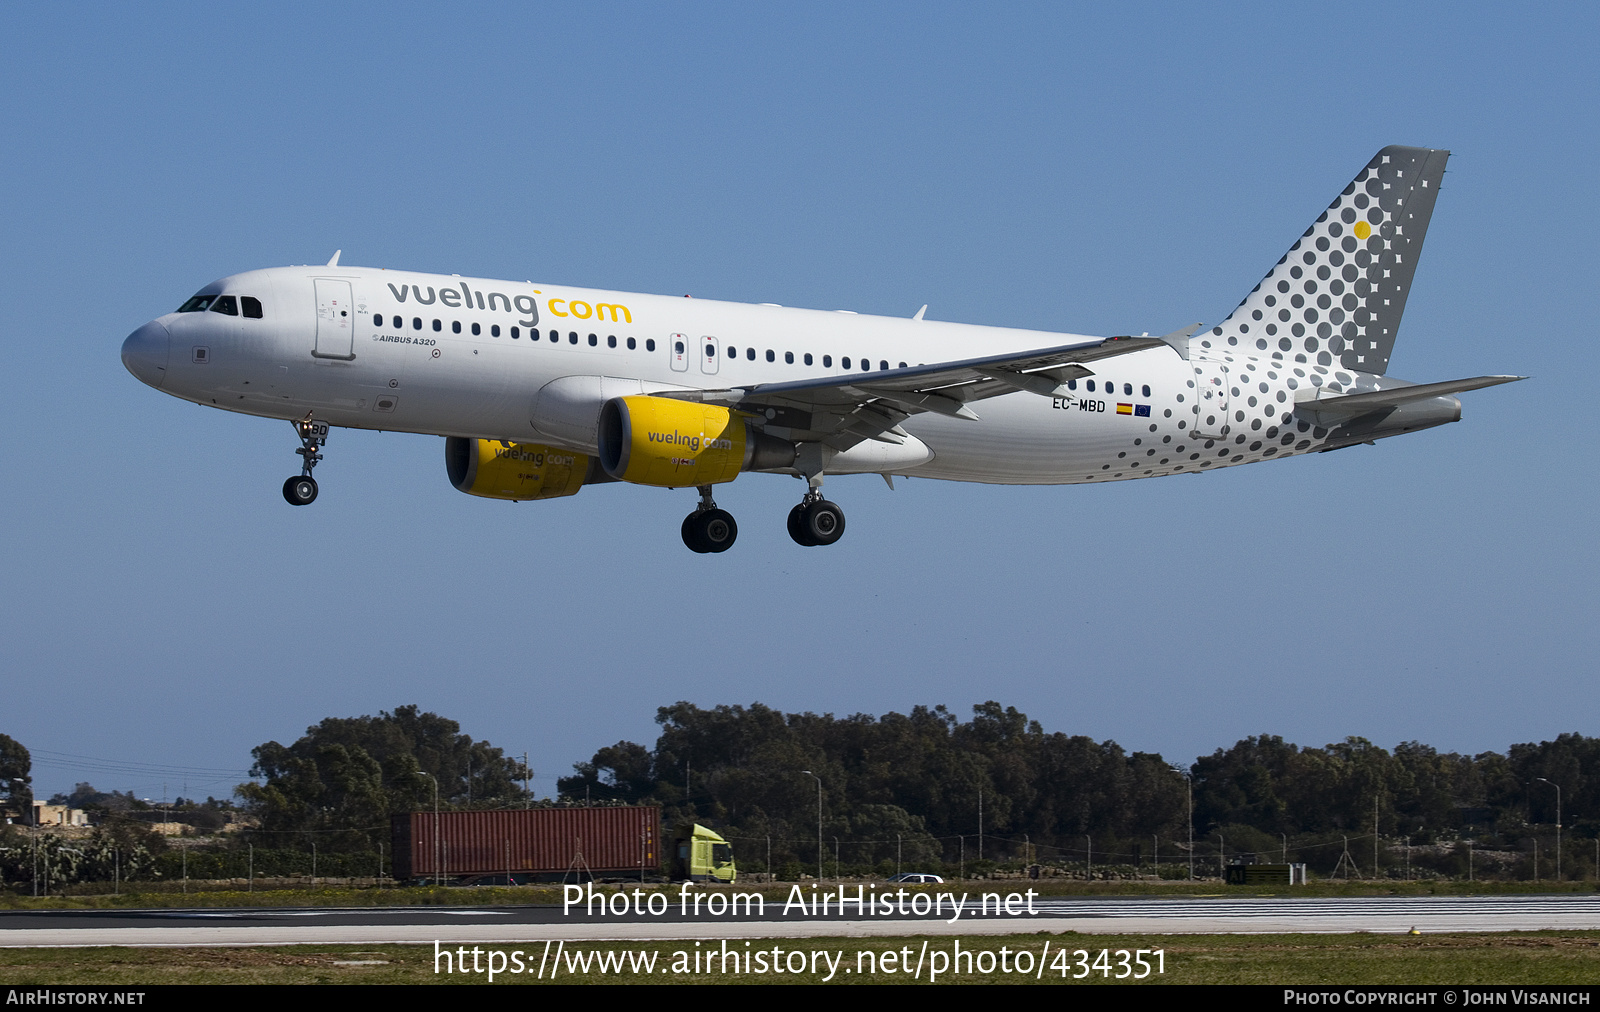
(1124, 409)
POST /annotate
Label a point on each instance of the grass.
(1357, 959)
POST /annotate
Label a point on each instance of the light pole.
(1557, 786)
(1188, 779)
(819, 821)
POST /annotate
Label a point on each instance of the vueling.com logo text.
(675, 438)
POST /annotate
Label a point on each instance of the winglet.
(1179, 339)
(334, 262)
(924, 309)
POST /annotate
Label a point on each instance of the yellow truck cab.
(700, 855)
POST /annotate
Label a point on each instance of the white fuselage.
(446, 355)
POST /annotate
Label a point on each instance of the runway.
(507, 925)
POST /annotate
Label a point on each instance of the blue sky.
(1095, 169)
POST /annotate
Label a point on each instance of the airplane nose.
(144, 353)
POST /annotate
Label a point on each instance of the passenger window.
(455, 326)
(711, 351)
(476, 330)
(845, 362)
(630, 344)
(883, 366)
(555, 337)
(750, 353)
(399, 324)
(1072, 384)
(866, 365)
(1091, 386)
(494, 330)
(902, 365)
(226, 304)
(1127, 389)
(677, 346)
(197, 304)
(377, 319)
(733, 352)
(808, 358)
(572, 337)
(516, 332)
(251, 306)
(788, 358)
(1146, 389)
(438, 325)
(770, 356)
(611, 340)
(593, 340)
(827, 361)
(650, 344)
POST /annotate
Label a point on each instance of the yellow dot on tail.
(1362, 230)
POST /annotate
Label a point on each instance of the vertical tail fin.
(1340, 290)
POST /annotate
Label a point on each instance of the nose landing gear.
(301, 490)
(708, 529)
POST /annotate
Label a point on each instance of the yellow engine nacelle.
(517, 471)
(679, 444)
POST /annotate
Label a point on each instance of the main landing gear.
(709, 529)
(301, 490)
(816, 521)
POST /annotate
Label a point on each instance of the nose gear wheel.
(300, 491)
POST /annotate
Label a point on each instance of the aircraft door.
(1211, 381)
(709, 354)
(335, 320)
(678, 349)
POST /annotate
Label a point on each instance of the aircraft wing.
(841, 411)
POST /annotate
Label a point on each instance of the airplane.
(541, 389)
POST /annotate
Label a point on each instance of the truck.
(522, 845)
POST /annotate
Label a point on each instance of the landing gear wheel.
(717, 530)
(691, 535)
(797, 528)
(709, 531)
(301, 490)
(823, 522)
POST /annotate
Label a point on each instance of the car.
(916, 877)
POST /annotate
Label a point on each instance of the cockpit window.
(251, 306)
(226, 304)
(197, 304)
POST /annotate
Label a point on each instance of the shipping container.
(531, 844)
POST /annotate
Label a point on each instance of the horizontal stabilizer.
(1329, 408)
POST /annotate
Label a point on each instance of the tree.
(348, 775)
(889, 783)
(621, 772)
(16, 775)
